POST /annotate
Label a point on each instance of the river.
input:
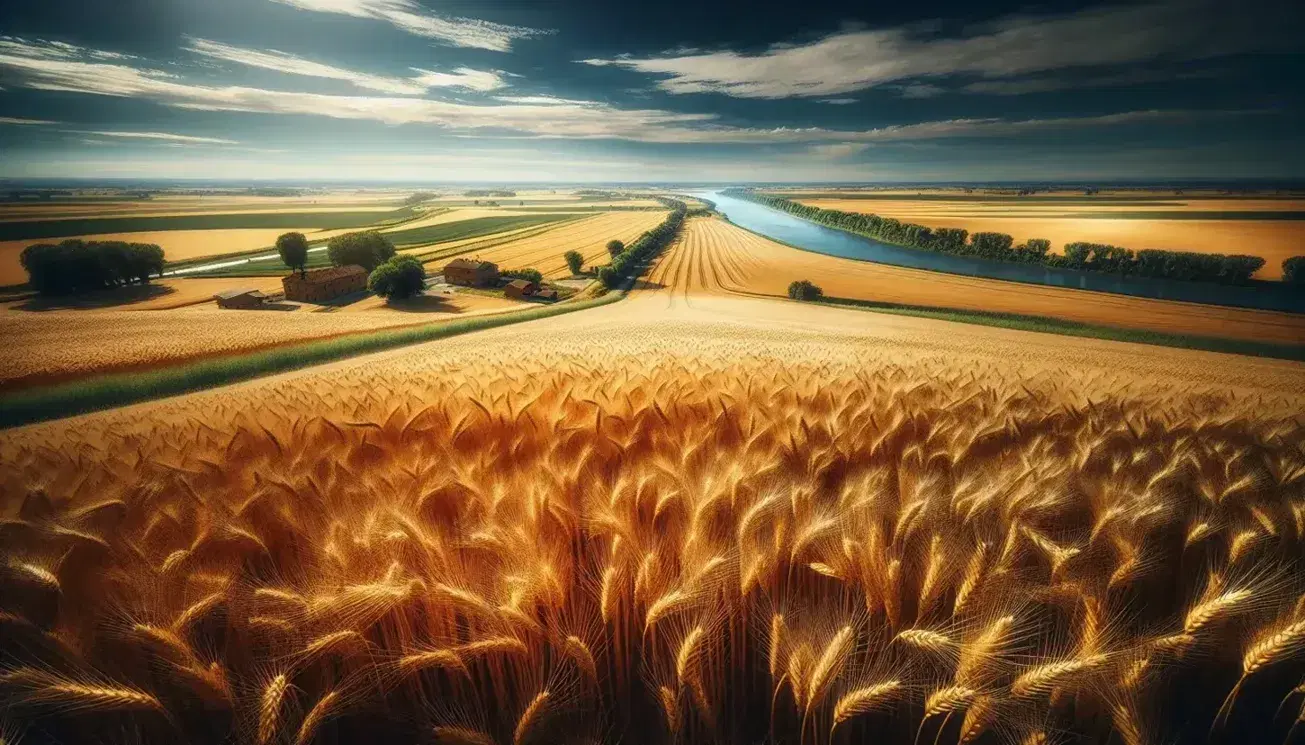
(809, 236)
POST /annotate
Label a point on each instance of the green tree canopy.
(293, 248)
(367, 248)
(574, 261)
(615, 247)
(398, 278)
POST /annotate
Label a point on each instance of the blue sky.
(583, 90)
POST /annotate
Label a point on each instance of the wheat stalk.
(864, 700)
(269, 709)
(530, 717)
(323, 709)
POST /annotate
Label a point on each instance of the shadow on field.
(425, 304)
(97, 300)
(643, 284)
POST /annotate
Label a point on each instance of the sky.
(600, 91)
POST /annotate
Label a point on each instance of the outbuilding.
(520, 289)
(325, 284)
(471, 273)
(547, 293)
(241, 299)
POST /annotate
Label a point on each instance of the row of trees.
(629, 260)
(1183, 265)
(74, 266)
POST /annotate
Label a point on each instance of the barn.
(325, 284)
(471, 273)
(520, 289)
(241, 299)
(547, 293)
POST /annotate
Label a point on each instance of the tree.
(803, 289)
(293, 248)
(368, 249)
(615, 247)
(400, 277)
(74, 266)
(1293, 270)
(418, 197)
(574, 261)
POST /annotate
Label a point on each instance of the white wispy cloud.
(838, 150)
(413, 18)
(22, 121)
(533, 116)
(424, 80)
(164, 136)
(1169, 30)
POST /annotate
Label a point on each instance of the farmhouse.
(471, 272)
(325, 284)
(520, 289)
(242, 299)
(547, 293)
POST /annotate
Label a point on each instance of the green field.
(41, 229)
(432, 235)
(473, 228)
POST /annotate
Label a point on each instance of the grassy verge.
(1047, 325)
(109, 391)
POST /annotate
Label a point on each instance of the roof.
(319, 276)
(470, 264)
(547, 292)
(520, 284)
(228, 294)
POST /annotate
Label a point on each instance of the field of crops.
(471, 228)
(1271, 228)
(62, 344)
(589, 236)
(689, 517)
(718, 257)
(278, 220)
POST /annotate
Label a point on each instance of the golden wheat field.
(546, 251)
(689, 518)
(61, 344)
(716, 257)
(1274, 240)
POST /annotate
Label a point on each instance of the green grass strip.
(1046, 325)
(121, 389)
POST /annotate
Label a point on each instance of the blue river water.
(809, 236)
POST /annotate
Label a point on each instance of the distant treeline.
(1098, 257)
(625, 264)
(74, 266)
(488, 193)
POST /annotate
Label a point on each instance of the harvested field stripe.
(108, 391)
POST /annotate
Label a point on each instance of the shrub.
(400, 277)
(1293, 270)
(804, 290)
(574, 261)
(615, 248)
(293, 248)
(532, 275)
(367, 248)
(74, 266)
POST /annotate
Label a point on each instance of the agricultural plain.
(1270, 228)
(716, 257)
(690, 517)
(546, 251)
